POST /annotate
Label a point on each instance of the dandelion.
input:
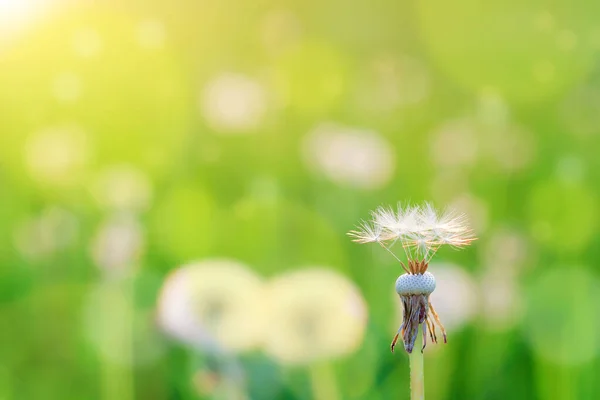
(420, 231)
(215, 305)
(321, 315)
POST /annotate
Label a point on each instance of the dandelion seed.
(367, 232)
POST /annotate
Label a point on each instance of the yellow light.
(15, 14)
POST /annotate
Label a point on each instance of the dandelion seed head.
(420, 230)
(429, 216)
(367, 232)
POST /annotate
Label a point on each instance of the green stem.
(417, 380)
(323, 381)
(118, 306)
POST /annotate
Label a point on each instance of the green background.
(139, 136)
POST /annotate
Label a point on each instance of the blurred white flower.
(457, 299)
(318, 314)
(506, 253)
(475, 207)
(57, 155)
(349, 156)
(233, 103)
(506, 248)
(488, 135)
(213, 304)
(501, 305)
(117, 245)
(122, 188)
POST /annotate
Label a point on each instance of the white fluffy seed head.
(421, 230)
(415, 284)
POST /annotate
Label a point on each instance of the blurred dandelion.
(117, 245)
(458, 298)
(320, 316)
(421, 231)
(350, 156)
(122, 188)
(508, 249)
(477, 208)
(216, 305)
(501, 300)
(506, 254)
(57, 155)
(234, 103)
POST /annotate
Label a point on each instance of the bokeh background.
(176, 181)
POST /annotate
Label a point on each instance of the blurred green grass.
(137, 137)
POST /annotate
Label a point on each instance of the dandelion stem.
(417, 381)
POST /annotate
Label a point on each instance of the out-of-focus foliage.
(176, 181)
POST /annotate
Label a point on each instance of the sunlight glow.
(15, 14)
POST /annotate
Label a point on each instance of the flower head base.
(421, 231)
(408, 284)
